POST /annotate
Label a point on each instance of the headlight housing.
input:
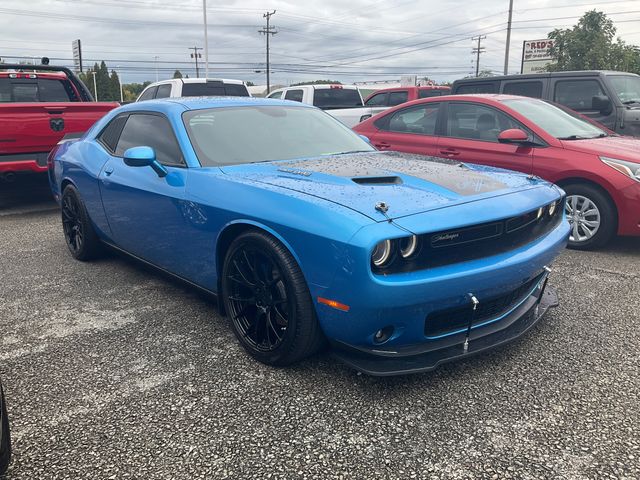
(630, 169)
(381, 254)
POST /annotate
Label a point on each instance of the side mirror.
(365, 138)
(601, 103)
(144, 157)
(513, 135)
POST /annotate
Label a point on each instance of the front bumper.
(423, 358)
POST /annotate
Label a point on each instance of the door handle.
(108, 171)
(450, 152)
(382, 145)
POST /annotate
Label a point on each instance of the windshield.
(553, 120)
(236, 135)
(627, 88)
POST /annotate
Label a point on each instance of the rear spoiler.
(83, 91)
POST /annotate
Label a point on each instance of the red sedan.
(599, 170)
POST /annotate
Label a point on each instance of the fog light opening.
(383, 334)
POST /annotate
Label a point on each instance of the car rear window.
(36, 90)
(431, 93)
(328, 98)
(214, 89)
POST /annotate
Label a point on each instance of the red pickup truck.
(38, 106)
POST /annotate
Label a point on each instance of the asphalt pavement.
(113, 371)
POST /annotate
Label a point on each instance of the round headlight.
(408, 246)
(382, 253)
(552, 209)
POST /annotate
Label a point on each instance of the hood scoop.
(380, 180)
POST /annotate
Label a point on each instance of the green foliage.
(317, 82)
(250, 84)
(132, 90)
(177, 74)
(590, 45)
(108, 85)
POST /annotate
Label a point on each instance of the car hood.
(624, 148)
(406, 184)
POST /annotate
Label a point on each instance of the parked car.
(5, 436)
(194, 87)
(599, 170)
(343, 102)
(308, 234)
(38, 106)
(610, 98)
(390, 97)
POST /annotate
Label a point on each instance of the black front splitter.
(378, 365)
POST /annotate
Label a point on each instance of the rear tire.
(5, 437)
(81, 239)
(592, 216)
(268, 302)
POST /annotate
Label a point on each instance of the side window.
(396, 98)
(164, 91)
(276, 95)
(420, 119)
(148, 94)
(525, 89)
(476, 88)
(152, 131)
(378, 100)
(477, 122)
(577, 94)
(111, 133)
(430, 93)
(295, 95)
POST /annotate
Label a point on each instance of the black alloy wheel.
(80, 237)
(268, 302)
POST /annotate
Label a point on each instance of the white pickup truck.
(194, 87)
(343, 102)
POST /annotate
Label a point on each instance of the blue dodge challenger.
(309, 236)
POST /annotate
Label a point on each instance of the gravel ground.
(112, 371)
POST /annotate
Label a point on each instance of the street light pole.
(206, 40)
(95, 86)
(506, 50)
(120, 81)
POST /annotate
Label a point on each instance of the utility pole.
(95, 86)
(206, 40)
(268, 30)
(156, 62)
(478, 50)
(196, 55)
(506, 50)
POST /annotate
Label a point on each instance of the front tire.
(592, 217)
(268, 302)
(81, 239)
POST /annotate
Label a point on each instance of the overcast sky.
(349, 41)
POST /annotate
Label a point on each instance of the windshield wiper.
(629, 102)
(349, 151)
(579, 137)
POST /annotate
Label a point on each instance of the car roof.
(196, 80)
(536, 76)
(180, 104)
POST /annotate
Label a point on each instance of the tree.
(250, 84)
(317, 82)
(590, 45)
(114, 86)
(177, 74)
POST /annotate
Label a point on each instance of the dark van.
(611, 98)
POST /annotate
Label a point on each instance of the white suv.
(195, 87)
